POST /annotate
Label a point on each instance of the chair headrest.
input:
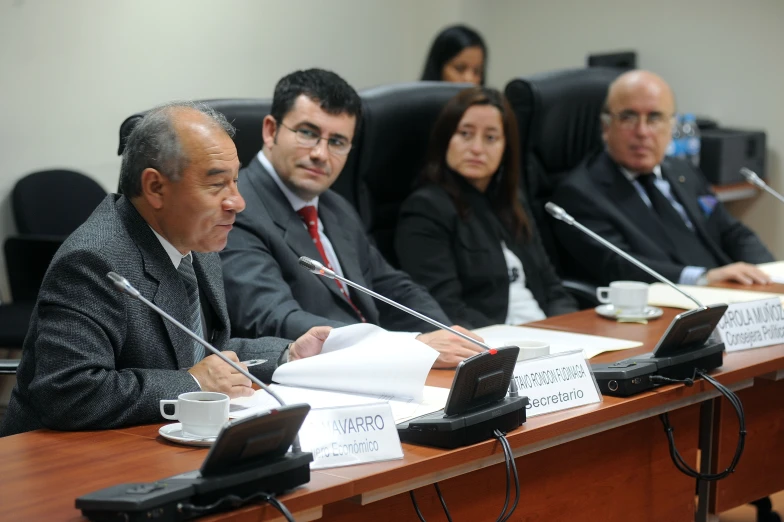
(559, 113)
(396, 125)
(246, 114)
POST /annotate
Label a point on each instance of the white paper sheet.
(433, 399)
(660, 294)
(775, 270)
(591, 345)
(364, 359)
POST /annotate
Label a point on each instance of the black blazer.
(268, 291)
(599, 196)
(461, 261)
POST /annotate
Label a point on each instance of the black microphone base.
(162, 500)
(631, 376)
(464, 429)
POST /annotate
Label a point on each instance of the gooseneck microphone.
(122, 284)
(755, 180)
(319, 269)
(561, 215)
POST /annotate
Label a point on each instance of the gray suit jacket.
(95, 358)
(599, 196)
(269, 293)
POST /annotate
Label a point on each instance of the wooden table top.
(44, 471)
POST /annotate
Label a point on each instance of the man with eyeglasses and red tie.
(290, 212)
(660, 210)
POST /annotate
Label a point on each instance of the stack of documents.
(663, 295)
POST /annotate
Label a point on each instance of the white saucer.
(173, 432)
(607, 310)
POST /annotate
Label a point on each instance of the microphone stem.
(766, 188)
(410, 311)
(209, 347)
(632, 260)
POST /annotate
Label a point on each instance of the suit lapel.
(170, 294)
(348, 257)
(690, 205)
(290, 224)
(212, 289)
(620, 191)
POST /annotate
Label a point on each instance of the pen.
(254, 362)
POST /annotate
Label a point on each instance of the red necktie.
(309, 215)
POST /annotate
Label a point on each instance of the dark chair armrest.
(8, 366)
(584, 293)
(27, 259)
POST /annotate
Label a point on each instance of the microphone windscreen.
(307, 263)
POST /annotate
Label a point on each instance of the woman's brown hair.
(503, 188)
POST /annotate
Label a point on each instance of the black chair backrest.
(558, 116)
(246, 114)
(54, 202)
(396, 125)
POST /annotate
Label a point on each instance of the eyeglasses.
(308, 138)
(630, 120)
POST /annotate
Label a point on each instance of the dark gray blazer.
(599, 196)
(95, 358)
(269, 293)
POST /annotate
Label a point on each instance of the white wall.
(71, 71)
(721, 57)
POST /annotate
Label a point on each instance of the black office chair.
(396, 125)
(558, 117)
(47, 207)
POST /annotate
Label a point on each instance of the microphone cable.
(733, 399)
(511, 469)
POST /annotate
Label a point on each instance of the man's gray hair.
(154, 143)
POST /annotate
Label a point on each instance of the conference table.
(606, 461)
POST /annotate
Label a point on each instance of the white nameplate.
(350, 435)
(556, 382)
(752, 325)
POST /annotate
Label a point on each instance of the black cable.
(416, 506)
(235, 501)
(678, 460)
(443, 502)
(516, 478)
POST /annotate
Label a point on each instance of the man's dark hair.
(333, 94)
(449, 43)
(154, 143)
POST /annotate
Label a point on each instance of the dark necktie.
(194, 306)
(309, 215)
(685, 240)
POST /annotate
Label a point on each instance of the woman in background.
(464, 234)
(458, 54)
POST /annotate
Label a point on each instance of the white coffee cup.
(529, 349)
(627, 297)
(201, 413)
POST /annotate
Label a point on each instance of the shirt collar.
(295, 201)
(174, 254)
(631, 176)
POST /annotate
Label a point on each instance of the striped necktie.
(194, 306)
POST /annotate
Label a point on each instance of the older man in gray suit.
(94, 358)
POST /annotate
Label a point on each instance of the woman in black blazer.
(464, 233)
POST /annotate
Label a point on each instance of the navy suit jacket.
(600, 197)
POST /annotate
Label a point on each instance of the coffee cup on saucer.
(626, 297)
(530, 349)
(201, 413)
